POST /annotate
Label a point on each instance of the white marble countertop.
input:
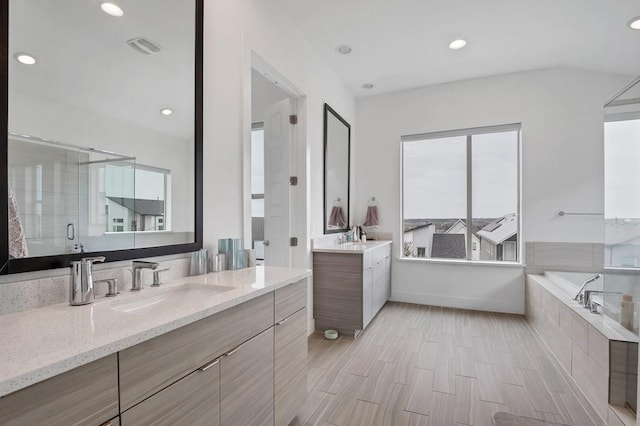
(355, 247)
(41, 343)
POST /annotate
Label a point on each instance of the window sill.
(462, 262)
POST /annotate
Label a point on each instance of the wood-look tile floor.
(425, 365)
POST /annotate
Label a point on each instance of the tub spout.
(580, 295)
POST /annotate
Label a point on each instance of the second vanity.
(225, 348)
(351, 283)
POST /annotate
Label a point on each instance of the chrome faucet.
(580, 295)
(137, 267)
(81, 289)
(588, 301)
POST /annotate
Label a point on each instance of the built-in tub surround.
(32, 290)
(51, 340)
(582, 341)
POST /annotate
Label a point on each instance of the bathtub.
(565, 286)
(593, 348)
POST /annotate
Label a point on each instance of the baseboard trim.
(490, 305)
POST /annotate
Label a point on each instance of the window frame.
(468, 133)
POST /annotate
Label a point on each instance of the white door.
(277, 147)
(509, 251)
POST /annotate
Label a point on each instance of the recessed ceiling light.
(634, 24)
(111, 9)
(166, 111)
(367, 86)
(344, 49)
(457, 44)
(25, 58)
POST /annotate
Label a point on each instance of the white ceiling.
(403, 44)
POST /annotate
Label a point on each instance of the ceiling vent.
(144, 45)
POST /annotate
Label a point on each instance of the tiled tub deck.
(592, 348)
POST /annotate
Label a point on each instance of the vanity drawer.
(193, 400)
(87, 395)
(150, 366)
(290, 299)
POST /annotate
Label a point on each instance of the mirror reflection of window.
(135, 198)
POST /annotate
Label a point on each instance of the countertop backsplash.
(32, 293)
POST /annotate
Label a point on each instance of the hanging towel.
(337, 217)
(372, 216)
(17, 241)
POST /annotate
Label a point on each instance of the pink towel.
(337, 217)
(372, 216)
(17, 241)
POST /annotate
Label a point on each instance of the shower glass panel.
(44, 181)
(69, 199)
(622, 207)
(622, 235)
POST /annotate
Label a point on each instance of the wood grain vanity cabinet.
(246, 382)
(86, 395)
(192, 400)
(151, 366)
(349, 288)
(245, 365)
(290, 351)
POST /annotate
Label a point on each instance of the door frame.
(298, 164)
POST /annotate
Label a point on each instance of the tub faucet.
(580, 295)
(137, 267)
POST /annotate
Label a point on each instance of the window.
(460, 194)
(142, 194)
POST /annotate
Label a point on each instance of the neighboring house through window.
(453, 179)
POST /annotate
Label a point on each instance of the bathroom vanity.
(226, 348)
(351, 283)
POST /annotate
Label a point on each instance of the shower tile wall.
(40, 176)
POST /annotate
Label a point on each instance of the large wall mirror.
(103, 125)
(337, 141)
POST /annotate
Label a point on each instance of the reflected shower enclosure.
(73, 199)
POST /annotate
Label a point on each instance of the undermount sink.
(166, 298)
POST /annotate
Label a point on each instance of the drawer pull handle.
(283, 321)
(208, 366)
(234, 350)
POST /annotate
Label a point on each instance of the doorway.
(272, 163)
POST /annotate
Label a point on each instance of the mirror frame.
(12, 266)
(328, 110)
